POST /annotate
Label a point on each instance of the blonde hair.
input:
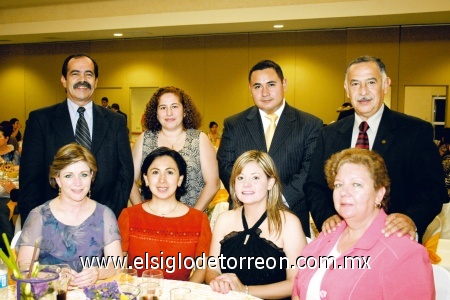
(70, 154)
(368, 158)
(274, 198)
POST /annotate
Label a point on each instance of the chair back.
(432, 229)
(441, 282)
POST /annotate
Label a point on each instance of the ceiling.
(40, 21)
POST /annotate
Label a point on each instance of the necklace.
(167, 138)
(164, 214)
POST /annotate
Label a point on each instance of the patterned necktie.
(363, 140)
(271, 129)
(82, 135)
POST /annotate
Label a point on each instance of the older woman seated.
(72, 226)
(383, 267)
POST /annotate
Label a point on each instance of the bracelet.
(246, 290)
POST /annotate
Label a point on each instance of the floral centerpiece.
(33, 284)
(106, 291)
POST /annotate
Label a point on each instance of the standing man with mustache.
(52, 127)
(405, 143)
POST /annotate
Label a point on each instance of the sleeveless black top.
(255, 260)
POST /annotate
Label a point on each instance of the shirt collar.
(277, 112)
(373, 121)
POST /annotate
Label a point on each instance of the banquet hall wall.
(213, 69)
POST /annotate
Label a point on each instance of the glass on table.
(153, 275)
(62, 283)
(127, 276)
(129, 290)
(149, 291)
(180, 293)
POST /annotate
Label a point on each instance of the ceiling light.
(118, 34)
(278, 26)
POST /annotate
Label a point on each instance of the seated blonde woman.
(384, 267)
(259, 228)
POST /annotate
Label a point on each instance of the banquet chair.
(441, 282)
(443, 250)
(432, 229)
(431, 238)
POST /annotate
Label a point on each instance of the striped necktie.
(82, 135)
(363, 140)
(271, 129)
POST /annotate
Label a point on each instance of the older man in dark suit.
(405, 143)
(52, 127)
(290, 143)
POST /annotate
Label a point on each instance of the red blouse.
(168, 244)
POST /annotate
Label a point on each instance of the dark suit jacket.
(50, 128)
(412, 160)
(292, 146)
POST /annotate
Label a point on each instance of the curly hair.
(274, 198)
(368, 158)
(191, 120)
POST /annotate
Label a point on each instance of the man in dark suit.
(405, 143)
(293, 141)
(52, 127)
(115, 107)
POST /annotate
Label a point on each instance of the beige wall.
(214, 69)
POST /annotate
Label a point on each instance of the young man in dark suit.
(405, 143)
(292, 143)
(52, 127)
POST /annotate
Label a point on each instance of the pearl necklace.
(167, 138)
(164, 214)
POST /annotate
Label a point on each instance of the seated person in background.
(72, 225)
(8, 152)
(16, 129)
(213, 135)
(259, 227)
(399, 267)
(162, 226)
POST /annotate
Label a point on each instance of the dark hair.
(70, 154)
(115, 106)
(370, 159)
(6, 128)
(66, 62)
(13, 120)
(266, 64)
(367, 58)
(211, 124)
(179, 160)
(191, 119)
(105, 99)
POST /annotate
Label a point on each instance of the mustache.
(82, 83)
(364, 99)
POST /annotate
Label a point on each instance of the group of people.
(271, 159)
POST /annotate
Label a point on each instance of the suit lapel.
(343, 139)
(384, 137)
(62, 125)
(100, 128)
(254, 126)
(283, 129)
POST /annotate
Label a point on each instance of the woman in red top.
(162, 232)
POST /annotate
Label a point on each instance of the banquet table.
(198, 292)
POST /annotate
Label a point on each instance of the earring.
(59, 193)
(89, 194)
(378, 205)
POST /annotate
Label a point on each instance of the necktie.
(82, 135)
(271, 129)
(363, 140)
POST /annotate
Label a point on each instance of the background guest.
(172, 119)
(105, 103)
(399, 267)
(16, 129)
(115, 107)
(213, 135)
(72, 225)
(291, 141)
(50, 128)
(405, 143)
(258, 227)
(11, 140)
(163, 226)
